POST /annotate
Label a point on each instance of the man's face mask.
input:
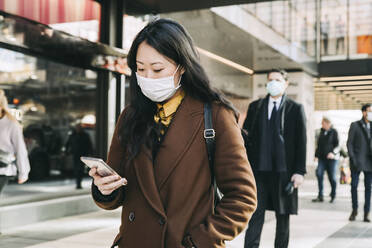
(369, 116)
(275, 88)
(158, 89)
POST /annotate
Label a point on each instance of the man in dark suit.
(276, 147)
(359, 145)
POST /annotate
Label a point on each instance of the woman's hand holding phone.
(106, 184)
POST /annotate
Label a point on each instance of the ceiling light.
(363, 87)
(357, 92)
(350, 83)
(225, 61)
(350, 78)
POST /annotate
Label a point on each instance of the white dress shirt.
(271, 105)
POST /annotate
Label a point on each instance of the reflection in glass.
(324, 34)
(340, 35)
(294, 20)
(360, 27)
(36, 38)
(48, 99)
(333, 29)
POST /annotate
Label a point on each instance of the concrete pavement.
(318, 225)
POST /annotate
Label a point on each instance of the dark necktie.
(274, 113)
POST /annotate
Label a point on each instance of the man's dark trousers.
(264, 195)
(367, 190)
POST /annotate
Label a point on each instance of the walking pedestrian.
(327, 153)
(276, 148)
(159, 149)
(13, 152)
(359, 146)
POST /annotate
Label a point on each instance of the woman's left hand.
(21, 181)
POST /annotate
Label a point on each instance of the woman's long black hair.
(171, 40)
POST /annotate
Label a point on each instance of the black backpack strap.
(209, 136)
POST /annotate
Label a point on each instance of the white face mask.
(158, 89)
(275, 88)
(369, 116)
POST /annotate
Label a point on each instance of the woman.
(12, 143)
(159, 151)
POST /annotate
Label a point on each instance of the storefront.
(56, 75)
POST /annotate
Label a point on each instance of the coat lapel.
(285, 107)
(364, 130)
(144, 170)
(181, 132)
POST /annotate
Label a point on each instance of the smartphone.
(103, 169)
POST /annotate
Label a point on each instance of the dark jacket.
(79, 144)
(293, 125)
(172, 197)
(327, 142)
(358, 146)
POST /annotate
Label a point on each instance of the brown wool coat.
(166, 200)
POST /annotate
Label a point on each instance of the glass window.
(360, 27)
(264, 12)
(309, 23)
(53, 102)
(251, 8)
(279, 17)
(333, 26)
(294, 20)
(303, 25)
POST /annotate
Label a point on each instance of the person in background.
(304, 34)
(79, 144)
(324, 31)
(276, 148)
(340, 35)
(359, 146)
(159, 150)
(12, 143)
(327, 153)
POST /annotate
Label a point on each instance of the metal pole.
(317, 35)
(120, 79)
(347, 38)
(111, 33)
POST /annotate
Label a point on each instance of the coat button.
(131, 216)
(161, 221)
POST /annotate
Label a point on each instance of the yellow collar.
(167, 109)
